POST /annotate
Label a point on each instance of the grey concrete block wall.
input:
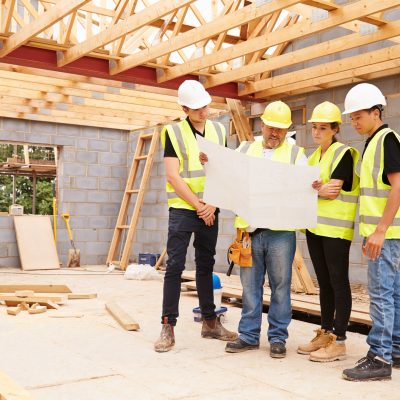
(89, 187)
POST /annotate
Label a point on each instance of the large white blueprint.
(267, 194)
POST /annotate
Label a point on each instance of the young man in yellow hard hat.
(380, 227)
(189, 214)
(329, 242)
(272, 250)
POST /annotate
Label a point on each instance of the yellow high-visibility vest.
(373, 191)
(335, 218)
(287, 153)
(187, 150)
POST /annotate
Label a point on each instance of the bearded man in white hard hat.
(189, 214)
(380, 228)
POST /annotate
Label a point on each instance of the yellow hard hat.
(326, 112)
(277, 114)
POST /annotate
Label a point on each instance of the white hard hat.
(363, 97)
(192, 94)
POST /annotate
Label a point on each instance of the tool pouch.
(239, 252)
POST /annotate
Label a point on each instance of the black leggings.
(330, 258)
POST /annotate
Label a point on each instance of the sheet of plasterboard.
(35, 240)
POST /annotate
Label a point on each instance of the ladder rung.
(123, 226)
(141, 157)
(115, 262)
(148, 136)
(132, 191)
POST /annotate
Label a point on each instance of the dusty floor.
(93, 358)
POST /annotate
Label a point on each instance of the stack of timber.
(231, 287)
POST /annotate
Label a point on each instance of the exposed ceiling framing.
(237, 48)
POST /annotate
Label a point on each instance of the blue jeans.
(272, 252)
(384, 293)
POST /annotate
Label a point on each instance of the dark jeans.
(182, 223)
(330, 258)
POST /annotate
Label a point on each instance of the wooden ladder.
(122, 224)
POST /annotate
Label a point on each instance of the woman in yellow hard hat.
(329, 243)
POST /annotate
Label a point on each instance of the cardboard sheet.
(267, 194)
(35, 240)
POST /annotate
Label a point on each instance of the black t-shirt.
(169, 150)
(391, 153)
(344, 171)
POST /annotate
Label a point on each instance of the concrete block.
(226, 214)
(111, 209)
(87, 157)
(111, 134)
(8, 235)
(116, 197)
(37, 138)
(157, 183)
(13, 250)
(161, 197)
(63, 140)
(73, 169)
(11, 136)
(6, 222)
(86, 183)
(105, 235)
(82, 144)
(69, 130)
(98, 196)
(85, 235)
(87, 209)
(99, 145)
(162, 224)
(90, 132)
(224, 241)
(10, 262)
(119, 147)
(226, 227)
(73, 195)
(99, 170)
(150, 197)
(112, 184)
(150, 223)
(17, 125)
(97, 248)
(99, 222)
(112, 159)
(358, 274)
(68, 155)
(3, 250)
(119, 172)
(43, 127)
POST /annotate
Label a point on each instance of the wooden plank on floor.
(123, 318)
(10, 390)
(76, 296)
(42, 288)
(34, 299)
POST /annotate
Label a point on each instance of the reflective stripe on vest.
(374, 192)
(186, 148)
(336, 217)
(281, 154)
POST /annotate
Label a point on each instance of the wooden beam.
(351, 67)
(337, 17)
(38, 288)
(10, 390)
(308, 53)
(330, 47)
(124, 319)
(207, 31)
(240, 120)
(45, 20)
(131, 24)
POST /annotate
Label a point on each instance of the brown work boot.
(166, 340)
(320, 340)
(213, 329)
(332, 352)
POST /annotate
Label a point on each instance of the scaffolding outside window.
(28, 177)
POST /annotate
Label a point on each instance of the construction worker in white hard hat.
(380, 228)
(189, 214)
(272, 250)
(329, 243)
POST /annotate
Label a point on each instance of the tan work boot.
(320, 340)
(166, 340)
(213, 329)
(332, 352)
